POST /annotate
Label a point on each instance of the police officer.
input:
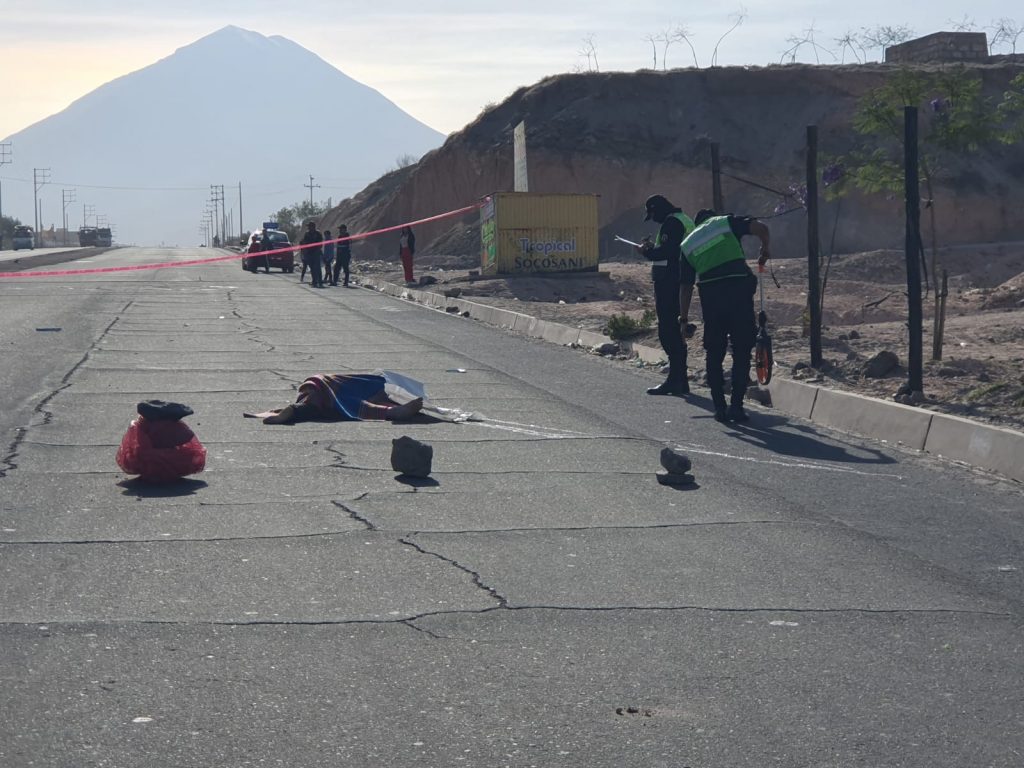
(313, 255)
(713, 258)
(664, 256)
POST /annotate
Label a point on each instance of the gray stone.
(668, 478)
(675, 462)
(853, 335)
(881, 365)
(427, 279)
(411, 457)
(608, 348)
(453, 293)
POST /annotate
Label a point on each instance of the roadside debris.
(410, 457)
(158, 446)
(677, 468)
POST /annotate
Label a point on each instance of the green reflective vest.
(711, 245)
(688, 225)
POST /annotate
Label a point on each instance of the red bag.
(159, 451)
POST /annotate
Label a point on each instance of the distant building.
(940, 47)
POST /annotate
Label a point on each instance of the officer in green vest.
(713, 258)
(664, 255)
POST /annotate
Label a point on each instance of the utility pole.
(87, 211)
(311, 186)
(40, 176)
(66, 196)
(217, 198)
(241, 226)
(5, 158)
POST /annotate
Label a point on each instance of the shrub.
(623, 326)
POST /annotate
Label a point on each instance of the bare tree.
(665, 38)
(737, 20)
(653, 40)
(588, 51)
(965, 24)
(797, 42)
(851, 42)
(404, 161)
(884, 36)
(1005, 32)
(682, 34)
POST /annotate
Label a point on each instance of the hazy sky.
(441, 65)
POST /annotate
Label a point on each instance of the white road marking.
(790, 464)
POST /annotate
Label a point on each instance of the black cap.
(161, 410)
(656, 203)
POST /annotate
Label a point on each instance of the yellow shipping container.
(523, 232)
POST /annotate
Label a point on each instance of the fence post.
(912, 246)
(716, 180)
(813, 250)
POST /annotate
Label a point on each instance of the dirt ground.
(980, 376)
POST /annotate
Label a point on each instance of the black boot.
(670, 386)
(737, 414)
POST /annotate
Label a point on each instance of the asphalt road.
(815, 600)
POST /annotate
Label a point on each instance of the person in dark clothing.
(343, 258)
(329, 251)
(266, 244)
(713, 258)
(664, 255)
(406, 249)
(313, 254)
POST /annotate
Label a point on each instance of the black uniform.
(727, 307)
(665, 272)
(313, 256)
(343, 258)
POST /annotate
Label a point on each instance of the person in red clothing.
(406, 249)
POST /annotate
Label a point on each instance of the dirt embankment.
(627, 135)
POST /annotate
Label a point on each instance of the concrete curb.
(996, 449)
(992, 448)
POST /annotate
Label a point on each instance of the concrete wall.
(941, 46)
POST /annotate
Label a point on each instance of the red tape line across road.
(234, 256)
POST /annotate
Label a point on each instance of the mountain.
(233, 107)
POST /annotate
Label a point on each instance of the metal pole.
(716, 180)
(912, 246)
(813, 253)
(241, 226)
(4, 160)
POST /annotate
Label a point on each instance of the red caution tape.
(235, 256)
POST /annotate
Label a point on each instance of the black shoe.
(721, 415)
(670, 388)
(737, 414)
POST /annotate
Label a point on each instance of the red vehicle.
(255, 259)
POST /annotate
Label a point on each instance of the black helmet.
(703, 215)
(657, 204)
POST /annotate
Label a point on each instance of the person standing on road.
(713, 258)
(343, 260)
(664, 255)
(266, 244)
(406, 249)
(329, 251)
(313, 253)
